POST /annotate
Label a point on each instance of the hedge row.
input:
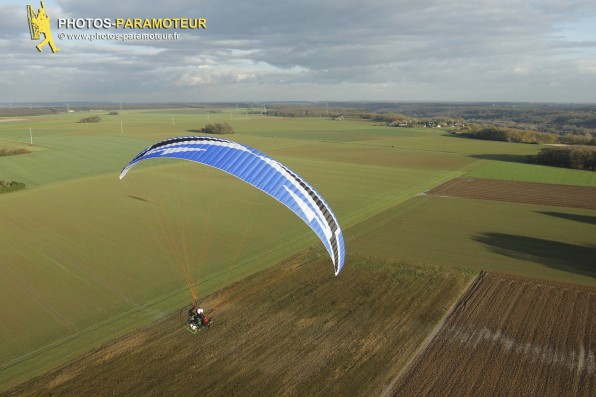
(6, 187)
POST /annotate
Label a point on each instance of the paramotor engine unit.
(191, 323)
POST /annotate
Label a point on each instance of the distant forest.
(559, 119)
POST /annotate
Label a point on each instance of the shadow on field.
(510, 158)
(562, 256)
(138, 198)
(591, 220)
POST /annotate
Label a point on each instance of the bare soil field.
(519, 192)
(294, 329)
(510, 336)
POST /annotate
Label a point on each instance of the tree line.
(13, 151)
(6, 187)
(510, 135)
(578, 156)
(526, 136)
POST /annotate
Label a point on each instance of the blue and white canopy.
(264, 173)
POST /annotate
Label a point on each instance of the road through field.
(90, 252)
(108, 246)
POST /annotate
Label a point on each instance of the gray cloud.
(311, 50)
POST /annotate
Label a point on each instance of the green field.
(529, 240)
(532, 173)
(91, 257)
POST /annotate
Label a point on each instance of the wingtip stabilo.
(124, 172)
(338, 269)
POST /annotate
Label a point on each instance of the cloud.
(311, 50)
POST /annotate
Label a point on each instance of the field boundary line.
(390, 202)
(411, 363)
(147, 305)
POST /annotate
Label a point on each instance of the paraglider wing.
(264, 173)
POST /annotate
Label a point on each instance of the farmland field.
(97, 257)
(291, 330)
(522, 172)
(556, 243)
(519, 192)
(539, 342)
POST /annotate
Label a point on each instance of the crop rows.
(510, 336)
(519, 192)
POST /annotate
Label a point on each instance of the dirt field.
(510, 337)
(291, 330)
(519, 192)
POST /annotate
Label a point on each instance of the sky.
(307, 50)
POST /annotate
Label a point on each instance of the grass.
(97, 257)
(533, 173)
(78, 273)
(535, 241)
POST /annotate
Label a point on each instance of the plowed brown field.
(510, 337)
(519, 192)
